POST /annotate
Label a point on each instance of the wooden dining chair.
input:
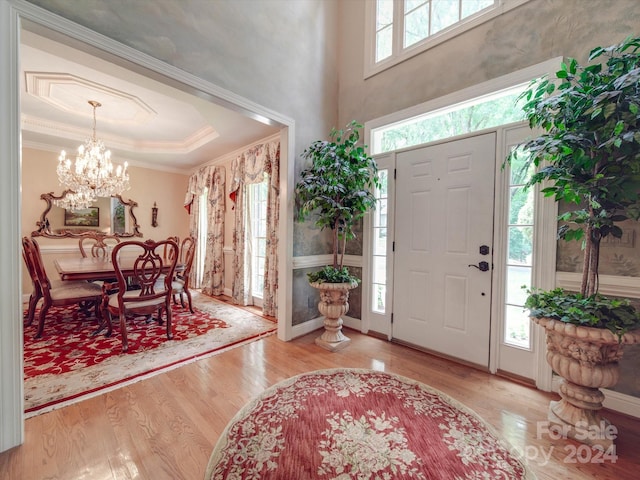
(151, 296)
(36, 292)
(58, 293)
(180, 283)
(98, 245)
(166, 251)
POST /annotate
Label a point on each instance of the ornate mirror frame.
(44, 227)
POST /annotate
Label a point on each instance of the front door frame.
(543, 258)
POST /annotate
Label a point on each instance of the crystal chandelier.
(92, 175)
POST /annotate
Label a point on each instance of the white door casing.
(444, 213)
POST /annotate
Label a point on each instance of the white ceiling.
(141, 120)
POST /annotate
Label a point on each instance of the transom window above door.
(399, 29)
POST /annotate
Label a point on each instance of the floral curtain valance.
(250, 166)
(203, 178)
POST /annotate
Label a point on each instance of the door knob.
(482, 266)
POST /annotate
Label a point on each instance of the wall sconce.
(154, 215)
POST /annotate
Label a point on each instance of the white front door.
(443, 231)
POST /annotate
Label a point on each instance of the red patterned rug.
(360, 424)
(70, 363)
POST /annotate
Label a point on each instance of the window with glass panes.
(379, 257)
(418, 20)
(258, 217)
(477, 114)
(517, 326)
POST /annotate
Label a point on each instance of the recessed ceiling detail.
(71, 94)
(141, 120)
(181, 146)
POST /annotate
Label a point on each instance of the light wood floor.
(166, 427)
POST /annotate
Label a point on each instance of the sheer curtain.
(210, 179)
(248, 168)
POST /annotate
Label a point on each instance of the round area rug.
(360, 424)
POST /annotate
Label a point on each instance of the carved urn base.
(334, 302)
(587, 360)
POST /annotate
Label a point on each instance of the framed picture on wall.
(83, 217)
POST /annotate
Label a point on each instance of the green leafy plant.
(589, 157)
(598, 311)
(338, 188)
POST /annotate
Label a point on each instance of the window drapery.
(251, 167)
(212, 180)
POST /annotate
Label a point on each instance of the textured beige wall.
(530, 34)
(147, 186)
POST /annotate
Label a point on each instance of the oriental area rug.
(69, 363)
(360, 424)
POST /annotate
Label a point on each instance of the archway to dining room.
(14, 19)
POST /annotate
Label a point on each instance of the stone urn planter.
(587, 359)
(334, 302)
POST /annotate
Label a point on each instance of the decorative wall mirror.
(109, 216)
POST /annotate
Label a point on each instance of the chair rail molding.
(311, 261)
(613, 285)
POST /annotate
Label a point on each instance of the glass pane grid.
(517, 325)
(258, 197)
(422, 19)
(416, 24)
(378, 304)
(379, 247)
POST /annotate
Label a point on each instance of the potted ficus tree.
(587, 156)
(337, 187)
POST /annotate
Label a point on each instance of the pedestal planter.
(587, 360)
(334, 302)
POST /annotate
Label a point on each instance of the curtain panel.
(212, 178)
(248, 168)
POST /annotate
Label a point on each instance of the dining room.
(69, 333)
(162, 138)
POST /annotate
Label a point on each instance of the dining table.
(96, 268)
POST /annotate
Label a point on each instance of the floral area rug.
(360, 424)
(69, 363)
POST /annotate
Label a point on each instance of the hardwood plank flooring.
(165, 427)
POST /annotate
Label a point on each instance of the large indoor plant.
(587, 156)
(337, 187)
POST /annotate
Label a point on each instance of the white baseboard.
(350, 322)
(306, 327)
(317, 323)
(620, 402)
(616, 401)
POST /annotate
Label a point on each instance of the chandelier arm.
(93, 174)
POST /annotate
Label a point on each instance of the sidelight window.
(517, 326)
(379, 250)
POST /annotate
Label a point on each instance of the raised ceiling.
(141, 120)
